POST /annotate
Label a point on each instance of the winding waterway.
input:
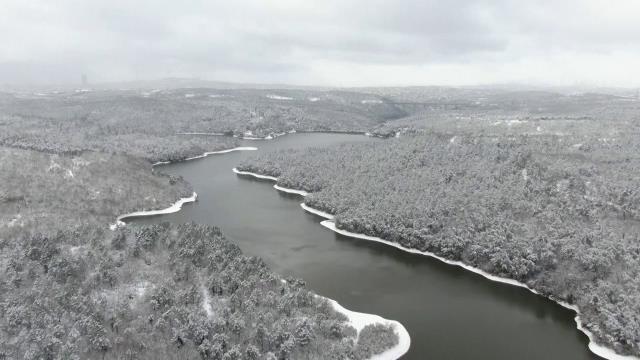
(449, 312)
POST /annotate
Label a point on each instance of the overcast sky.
(327, 42)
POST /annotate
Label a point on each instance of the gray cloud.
(358, 42)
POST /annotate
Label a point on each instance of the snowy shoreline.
(265, 177)
(201, 133)
(271, 178)
(359, 320)
(240, 148)
(356, 319)
(290, 191)
(595, 348)
(249, 135)
(320, 213)
(171, 209)
(178, 204)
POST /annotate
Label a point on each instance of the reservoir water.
(449, 312)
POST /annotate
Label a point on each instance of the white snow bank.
(313, 99)
(74, 249)
(332, 226)
(271, 178)
(235, 170)
(206, 302)
(515, 122)
(248, 135)
(278, 97)
(271, 136)
(371, 101)
(200, 133)
(171, 209)
(241, 148)
(593, 346)
(360, 320)
(290, 191)
(13, 222)
(599, 350)
(141, 288)
(317, 212)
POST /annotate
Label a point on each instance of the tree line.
(559, 213)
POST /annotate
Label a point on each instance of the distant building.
(84, 80)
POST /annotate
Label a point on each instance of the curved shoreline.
(201, 133)
(290, 191)
(171, 209)
(239, 148)
(273, 135)
(356, 319)
(320, 213)
(271, 178)
(594, 347)
(359, 320)
(264, 177)
(178, 204)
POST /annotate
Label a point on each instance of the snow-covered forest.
(160, 125)
(71, 288)
(559, 213)
(162, 292)
(535, 186)
(42, 192)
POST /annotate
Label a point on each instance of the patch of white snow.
(278, 97)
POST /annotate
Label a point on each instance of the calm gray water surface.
(449, 312)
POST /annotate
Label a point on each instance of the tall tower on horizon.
(84, 80)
